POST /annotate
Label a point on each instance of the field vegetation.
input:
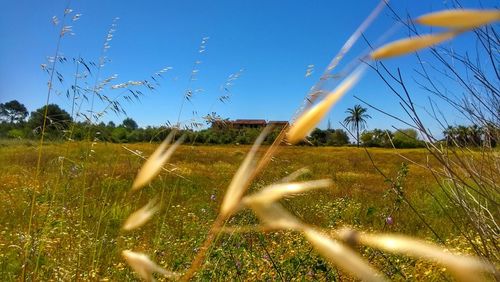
(84, 200)
(80, 210)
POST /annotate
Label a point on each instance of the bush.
(328, 137)
(407, 138)
(16, 133)
(119, 135)
(377, 138)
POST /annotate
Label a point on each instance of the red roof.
(250, 121)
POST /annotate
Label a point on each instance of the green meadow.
(83, 197)
(127, 164)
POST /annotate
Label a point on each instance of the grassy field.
(82, 197)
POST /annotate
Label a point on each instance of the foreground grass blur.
(85, 197)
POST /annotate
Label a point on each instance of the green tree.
(356, 120)
(130, 124)
(318, 137)
(407, 138)
(119, 135)
(337, 137)
(56, 119)
(449, 135)
(13, 111)
(377, 138)
(474, 134)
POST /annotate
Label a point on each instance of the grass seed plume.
(459, 19)
(142, 215)
(155, 162)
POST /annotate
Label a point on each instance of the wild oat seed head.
(460, 19)
(155, 162)
(462, 267)
(294, 175)
(273, 216)
(342, 256)
(144, 267)
(238, 184)
(142, 215)
(409, 45)
(309, 119)
(275, 192)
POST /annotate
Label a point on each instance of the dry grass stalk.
(172, 171)
(272, 193)
(294, 175)
(409, 45)
(231, 200)
(144, 267)
(240, 180)
(155, 162)
(462, 267)
(142, 215)
(460, 19)
(309, 119)
(342, 256)
(275, 217)
(457, 20)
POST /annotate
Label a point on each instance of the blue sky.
(273, 42)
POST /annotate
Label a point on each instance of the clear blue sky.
(273, 41)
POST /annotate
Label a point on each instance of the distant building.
(247, 123)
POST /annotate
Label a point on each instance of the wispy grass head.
(142, 215)
(239, 183)
(144, 267)
(311, 117)
(155, 162)
(459, 19)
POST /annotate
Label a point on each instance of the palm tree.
(356, 119)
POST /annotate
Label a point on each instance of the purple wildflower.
(389, 220)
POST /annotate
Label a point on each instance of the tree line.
(59, 125)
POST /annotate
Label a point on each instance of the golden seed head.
(155, 162)
(459, 19)
(462, 267)
(141, 216)
(239, 183)
(342, 256)
(412, 44)
(309, 119)
(275, 192)
(144, 267)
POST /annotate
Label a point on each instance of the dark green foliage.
(130, 124)
(59, 125)
(13, 111)
(472, 136)
(318, 137)
(377, 138)
(57, 120)
(328, 137)
(403, 138)
(119, 135)
(407, 138)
